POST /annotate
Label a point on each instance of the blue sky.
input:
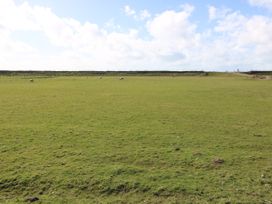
(100, 12)
(136, 35)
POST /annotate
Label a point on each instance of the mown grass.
(140, 140)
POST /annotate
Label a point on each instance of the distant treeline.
(104, 73)
(122, 73)
(259, 72)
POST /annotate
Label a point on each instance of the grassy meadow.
(138, 140)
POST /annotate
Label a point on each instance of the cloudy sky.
(221, 35)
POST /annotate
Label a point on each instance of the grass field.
(139, 140)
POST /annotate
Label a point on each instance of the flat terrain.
(137, 140)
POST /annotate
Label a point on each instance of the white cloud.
(173, 42)
(144, 14)
(212, 12)
(244, 31)
(139, 16)
(173, 34)
(262, 3)
(215, 13)
(242, 40)
(129, 11)
(111, 24)
(171, 25)
(88, 42)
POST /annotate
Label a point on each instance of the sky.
(177, 35)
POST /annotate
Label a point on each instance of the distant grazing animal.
(31, 80)
(121, 78)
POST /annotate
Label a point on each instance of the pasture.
(138, 140)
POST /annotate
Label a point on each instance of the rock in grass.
(197, 154)
(32, 199)
(218, 161)
(258, 135)
(177, 149)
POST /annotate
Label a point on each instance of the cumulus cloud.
(262, 3)
(212, 12)
(144, 14)
(129, 11)
(171, 25)
(141, 15)
(89, 44)
(173, 42)
(244, 31)
(111, 24)
(242, 40)
(173, 33)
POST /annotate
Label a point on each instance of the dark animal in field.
(121, 78)
(32, 199)
(31, 80)
(263, 77)
(218, 161)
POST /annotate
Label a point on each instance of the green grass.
(140, 140)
